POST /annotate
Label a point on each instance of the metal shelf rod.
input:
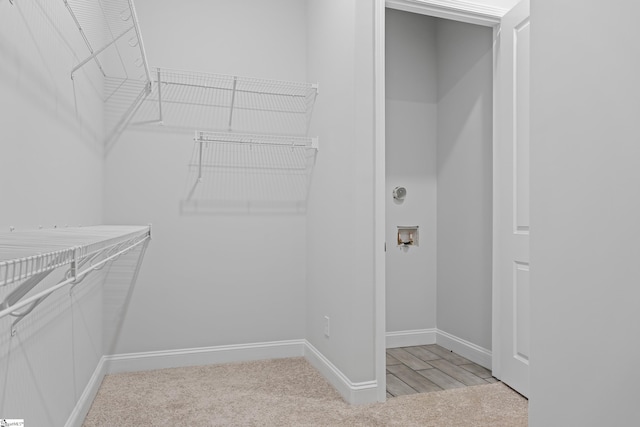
(84, 36)
(143, 53)
(200, 104)
(99, 51)
(254, 143)
(233, 100)
(159, 96)
(8, 310)
(253, 92)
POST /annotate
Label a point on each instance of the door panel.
(511, 202)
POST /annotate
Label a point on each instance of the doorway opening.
(439, 138)
(455, 326)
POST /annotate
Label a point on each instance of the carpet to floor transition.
(285, 392)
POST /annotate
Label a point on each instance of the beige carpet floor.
(285, 392)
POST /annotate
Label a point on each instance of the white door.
(511, 202)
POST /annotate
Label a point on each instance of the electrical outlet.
(326, 326)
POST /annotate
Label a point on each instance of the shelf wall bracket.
(22, 315)
(233, 100)
(99, 51)
(23, 289)
(84, 37)
(16, 300)
(136, 26)
(73, 272)
(159, 96)
(200, 160)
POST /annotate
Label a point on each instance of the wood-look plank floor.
(427, 368)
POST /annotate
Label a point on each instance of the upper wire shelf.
(225, 103)
(115, 50)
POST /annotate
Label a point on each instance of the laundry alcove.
(439, 136)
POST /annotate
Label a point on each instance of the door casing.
(456, 11)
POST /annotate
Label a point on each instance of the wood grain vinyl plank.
(441, 379)
(447, 354)
(422, 353)
(477, 370)
(492, 380)
(398, 388)
(392, 360)
(455, 371)
(408, 359)
(416, 381)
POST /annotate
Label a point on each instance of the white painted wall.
(340, 214)
(411, 162)
(209, 279)
(51, 154)
(50, 174)
(465, 75)
(584, 213)
(263, 39)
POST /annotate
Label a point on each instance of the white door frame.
(455, 10)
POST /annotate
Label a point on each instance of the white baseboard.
(353, 393)
(85, 400)
(411, 338)
(133, 362)
(464, 348)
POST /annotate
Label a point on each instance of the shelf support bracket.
(23, 289)
(199, 138)
(73, 272)
(84, 36)
(200, 159)
(16, 299)
(99, 51)
(160, 96)
(233, 100)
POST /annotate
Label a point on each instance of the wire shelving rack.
(28, 257)
(248, 172)
(225, 103)
(111, 33)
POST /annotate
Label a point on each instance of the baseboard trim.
(203, 356)
(354, 393)
(85, 400)
(411, 338)
(464, 348)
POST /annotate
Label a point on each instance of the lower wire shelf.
(242, 172)
(28, 257)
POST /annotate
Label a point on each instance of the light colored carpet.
(285, 392)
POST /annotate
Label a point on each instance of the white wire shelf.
(231, 172)
(224, 103)
(24, 254)
(27, 258)
(108, 54)
(114, 47)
